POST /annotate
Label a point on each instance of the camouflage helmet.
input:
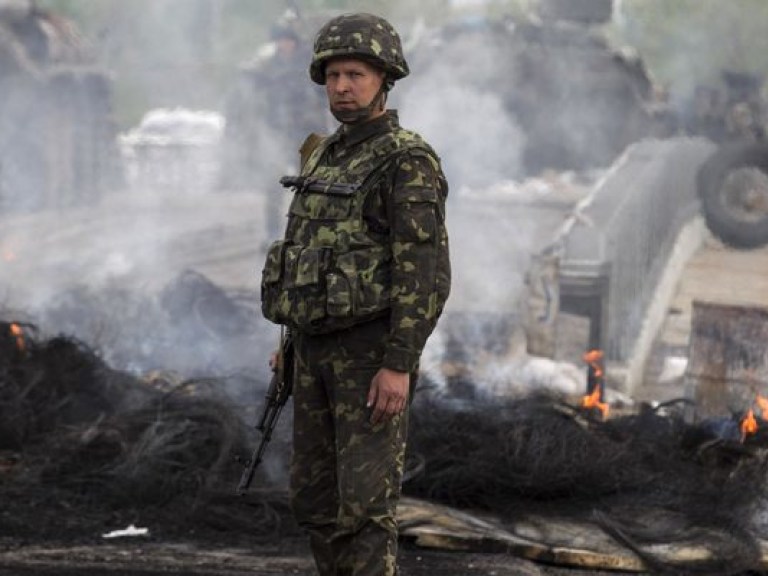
(364, 36)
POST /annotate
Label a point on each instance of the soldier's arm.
(421, 270)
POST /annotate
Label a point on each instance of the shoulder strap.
(310, 144)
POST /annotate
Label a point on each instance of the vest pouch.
(274, 264)
(275, 304)
(305, 283)
(339, 303)
(293, 285)
(290, 266)
(360, 284)
(308, 266)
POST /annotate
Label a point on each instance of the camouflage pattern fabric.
(361, 35)
(361, 277)
(346, 473)
(347, 258)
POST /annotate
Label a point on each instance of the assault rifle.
(310, 184)
(280, 388)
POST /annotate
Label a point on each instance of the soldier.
(360, 280)
(270, 109)
(292, 111)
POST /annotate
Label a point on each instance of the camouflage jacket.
(366, 237)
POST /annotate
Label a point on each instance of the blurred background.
(159, 48)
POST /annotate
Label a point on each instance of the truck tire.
(733, 188)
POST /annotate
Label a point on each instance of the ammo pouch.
(315, 291)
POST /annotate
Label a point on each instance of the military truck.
(733, 183)
(579, 103)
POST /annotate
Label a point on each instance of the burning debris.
(74, 427)
(595, 382)
(647, 479)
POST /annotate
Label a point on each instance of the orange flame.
(593, 358)
(592, 400)
(18, 333)
(762, 403)
(748, 425)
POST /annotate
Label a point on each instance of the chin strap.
(360, 115)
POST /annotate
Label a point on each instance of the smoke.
(120, 248)
(452, 101)
(99, 224)
(678, 43)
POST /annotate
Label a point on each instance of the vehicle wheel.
(733, 187)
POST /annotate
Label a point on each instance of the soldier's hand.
(388, 394)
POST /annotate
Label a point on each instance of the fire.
(18, 333)
(594, 398)
(593, 358)
(762, 403)
(748, 425)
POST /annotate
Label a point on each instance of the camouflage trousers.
(345, 472)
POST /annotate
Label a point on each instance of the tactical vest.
(330, 271)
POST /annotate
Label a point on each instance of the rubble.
(108, 442)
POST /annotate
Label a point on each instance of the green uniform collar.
(351, 135)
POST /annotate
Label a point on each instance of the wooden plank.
(561, 542)
(435, 526)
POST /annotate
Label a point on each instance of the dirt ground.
(151, 559)
(39, 537)
(291, 557)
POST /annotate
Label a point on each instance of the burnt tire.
(733, 188)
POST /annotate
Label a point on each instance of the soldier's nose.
(342, 85)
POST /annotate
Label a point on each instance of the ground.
(52, 540)
(43, 534)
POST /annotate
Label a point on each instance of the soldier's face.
(351, 84)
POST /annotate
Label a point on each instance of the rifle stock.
(278, 392)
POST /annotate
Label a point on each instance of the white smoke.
(478, 141)
(141, 237)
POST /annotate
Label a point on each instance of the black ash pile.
(79, 436)
(81, 440)
(645, 479)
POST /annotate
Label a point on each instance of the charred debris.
(80, 437)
